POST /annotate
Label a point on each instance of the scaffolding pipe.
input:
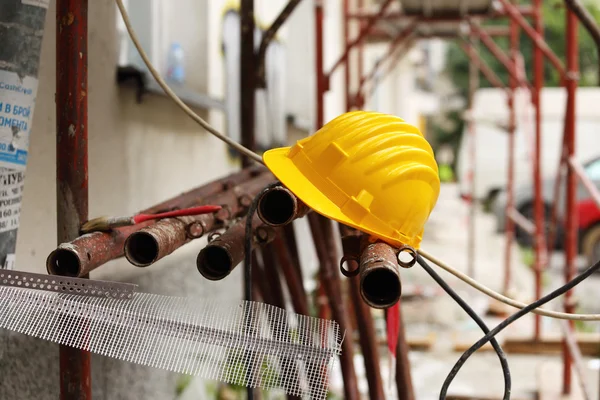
(323, 237)
(404, 383)
(485, 69)
(348, 103)
(538, 39)
(268, 36)
(539, 230)
(402, 38)
(362, 34)
(588, 21)
(278, 206)
(524, 9)
(90, 251)
(72, 162)
(219, 258)
(247, 77)
(293, 281)
(150, 244)
(474, 67)
(360, 103)
(351, 244)
(571, 206)
(512, 125)
(508, 62)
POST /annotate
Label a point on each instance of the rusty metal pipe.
(324, 240)
(351, 243)
(379, 275)
(72, 164)
(279, 206)
(150, 244)
(86, 253)
(268, 38)
(223, 254)
(293, 280)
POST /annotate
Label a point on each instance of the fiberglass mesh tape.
(247, 343)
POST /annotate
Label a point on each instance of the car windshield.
(592, 170)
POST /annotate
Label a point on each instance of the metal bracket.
(69, 285)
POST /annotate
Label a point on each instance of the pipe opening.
(214, 263)
(141, 249)
(381, 288)
(277, 207)
(63, 262)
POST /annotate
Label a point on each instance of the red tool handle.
(177, 213)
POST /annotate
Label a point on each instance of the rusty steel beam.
(351, 242)
(226, 252)
(537, 38)
(88, 252)
(150, 244)
(72, 163)
(268, 36)
(323, 237)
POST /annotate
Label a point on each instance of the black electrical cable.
(490, 335)
(463, 304)
(248, 237)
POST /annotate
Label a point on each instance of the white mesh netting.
(247, 343)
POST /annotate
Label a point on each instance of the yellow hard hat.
(367, 170)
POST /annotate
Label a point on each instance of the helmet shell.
(368, 170)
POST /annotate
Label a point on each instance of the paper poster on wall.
(17, 100)
(11, 193)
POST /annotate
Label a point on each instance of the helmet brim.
(285, 170)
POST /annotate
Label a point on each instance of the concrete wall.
(139, 154)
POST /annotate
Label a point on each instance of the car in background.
(489, 117)
(588, 212)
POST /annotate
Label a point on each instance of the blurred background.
(143, 149)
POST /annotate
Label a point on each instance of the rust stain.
(82, 94)
(70, 17)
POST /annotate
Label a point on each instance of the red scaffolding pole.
(539, 239)
(572, 74)
(72, 162)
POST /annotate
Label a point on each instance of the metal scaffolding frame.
(281, 260)
(569, 73)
